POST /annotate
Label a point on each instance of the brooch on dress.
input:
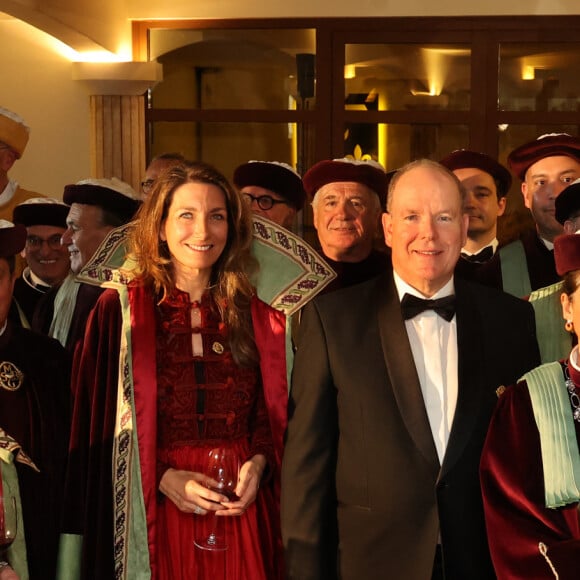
(10, 376)
(217, 347)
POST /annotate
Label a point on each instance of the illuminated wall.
(36, 83)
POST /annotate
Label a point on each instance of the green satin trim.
(514, 270)
(136, 561)
(289, 350)
(554, 341)
(69, 557)
(553, 415)
(16, 554)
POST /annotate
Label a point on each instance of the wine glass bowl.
(221, 476)
(8, 521)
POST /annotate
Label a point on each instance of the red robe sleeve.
(88, 487)
(513, 495)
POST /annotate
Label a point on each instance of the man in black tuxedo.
(486, 183)
(390, 404)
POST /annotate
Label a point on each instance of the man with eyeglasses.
(272, 189)
(158, 165)
(47, 259)
(14, 134)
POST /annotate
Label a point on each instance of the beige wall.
(36, 83)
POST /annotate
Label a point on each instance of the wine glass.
(221, 473)
(8, 521)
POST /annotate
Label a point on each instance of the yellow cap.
(13, 131)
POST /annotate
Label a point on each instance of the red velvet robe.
(512, 483)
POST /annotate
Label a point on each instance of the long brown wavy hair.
(230, 287)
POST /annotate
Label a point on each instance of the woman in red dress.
(206, 370)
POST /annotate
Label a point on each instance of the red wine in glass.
(221, 473)
(8, 522)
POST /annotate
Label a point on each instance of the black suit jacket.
(363, 493)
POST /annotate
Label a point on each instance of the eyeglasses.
(147, 185)
(264, 202)
(36, 242)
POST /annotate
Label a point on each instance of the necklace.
(574, 398)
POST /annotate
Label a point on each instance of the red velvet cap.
(112, 195)
(12, 238)
(41, 211)
(463, 159)
(369, 173)
(275, 176)
(567, 253)
(550, 145)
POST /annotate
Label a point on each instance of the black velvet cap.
(275, 176)
(463, 159)
(41, 211)
(12, 238)
(112, 195)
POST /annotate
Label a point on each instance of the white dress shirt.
(494, 245)
(8, 192)
(434, 346)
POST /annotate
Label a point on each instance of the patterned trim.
(109, 268)
(105, 267)
(11, 445)
(123, 456)
(315, 274)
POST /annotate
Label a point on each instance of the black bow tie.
(412, 305)
(483, 256)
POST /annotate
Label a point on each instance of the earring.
(569, 326)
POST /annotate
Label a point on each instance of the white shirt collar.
(8, 192)
(494, 244)
(574, 358)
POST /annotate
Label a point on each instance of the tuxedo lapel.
(401, 369)
(471, 373)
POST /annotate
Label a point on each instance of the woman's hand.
(247, 488)
(187, 491)
(7, 573)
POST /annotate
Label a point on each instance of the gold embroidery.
(10, 376)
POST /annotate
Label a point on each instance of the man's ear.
(7, 159)
(526, 194)
(501, 205)
(387, 221)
